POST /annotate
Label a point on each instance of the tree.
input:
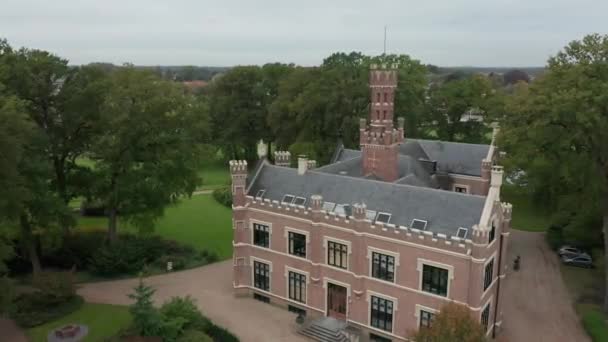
(514, 76)
(453, 323)
(148, 154)
(146, 318)
(557, 132)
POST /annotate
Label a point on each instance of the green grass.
(594, 321)
(214, 176)
(526, 215)
(103, 321)
(199, 221)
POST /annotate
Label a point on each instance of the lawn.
(198, 221)
(526, 215)
(103, 321)
(214, 176)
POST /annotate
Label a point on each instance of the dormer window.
(299, 201)
(383, 217)
(419, 224)
(462, 233)
(329, 206)
(342, 209)
(260, 193)
(370, 214)
(287, 199)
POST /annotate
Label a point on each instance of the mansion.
(379, 239)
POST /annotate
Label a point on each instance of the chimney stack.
(282, 158)
(302, 164)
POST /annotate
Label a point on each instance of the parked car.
(569, 251)
(580, 260)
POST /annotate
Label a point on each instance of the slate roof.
(445, 211)
(451, 157)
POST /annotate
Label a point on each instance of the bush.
(194, 336)
(129, 254)
(223, 196)
(76, 250)
(36, 308)
(555, 237)
(57, 287)
(181, 307)
(210, 256)
(594, 322)
(220, 334)
(92, 208)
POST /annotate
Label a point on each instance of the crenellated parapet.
(238, 173)
(359, 224)
(282, 158)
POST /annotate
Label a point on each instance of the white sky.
(230, 32)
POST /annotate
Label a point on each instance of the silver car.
(581, 260)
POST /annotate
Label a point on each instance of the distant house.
(382, 237)
(196, 85)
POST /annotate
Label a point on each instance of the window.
(343, 209)
(261, 276)
(383, 266)
(460, 189)
(492, 233)
(261, 298)
(378, 97)
(485, 317)
(376, 338)
(261, 235)
(419, 224)
(381, 313)
(328, 206)
(385, 97)
(287, 199)
(299, 201)
(297, 244)
(297, 287)
(383, 217)
(488, 275)
(462, 233)
(435, 280)
(426, 319)
(337, 254)
(296, 310)
(370, 215)
(260, 193)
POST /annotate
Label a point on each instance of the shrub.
(36, 308)
(220, 334)
(7, 295)
(595, 324)
(210, 256)
(76, 249)
(179, 262)
(194, 336)
(555, 237)
(128, 255)
(223, 196)
(181, 307)
(146, 318)
(453, 323)
(57, 287)
(92, 208)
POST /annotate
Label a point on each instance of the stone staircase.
(326, 329)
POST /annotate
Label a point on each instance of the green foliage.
(146, 319)
(223, 196)
(76, 250)
(594, 322)
(555, 237)
(219, 334)
(7, 295)
(56, 286)
(453, 323)
(181, 307)
(36, 308)
(194, 336)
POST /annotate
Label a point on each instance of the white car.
(569, 251)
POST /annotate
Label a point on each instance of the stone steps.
(325, 330)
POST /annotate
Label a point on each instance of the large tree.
(454, 322)
(556, 132)
(148, 153)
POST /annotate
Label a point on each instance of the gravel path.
(211, 286)
(537, 304)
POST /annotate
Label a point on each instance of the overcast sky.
(230, 32)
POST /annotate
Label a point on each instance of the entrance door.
(336, 301)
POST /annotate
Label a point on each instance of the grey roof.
(451, 157)
(445, 211)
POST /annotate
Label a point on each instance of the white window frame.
(370, 262)
(449, 268)
(395, 301)
(426, 223)
(297, 231)
(326, 248)
(373, 218)
(295, 270)
(333, 206)
(464, 186)
(264, 261)
(294, 200)
(383, 213)
(283, 199)
(251, 222)
(466, 232)
(418, 315)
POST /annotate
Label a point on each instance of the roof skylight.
(462, 233)
(299, 201)
(260, 193)
(418, 224)
(329, 206)
(287, 199)
(370, 214)
(383, 217)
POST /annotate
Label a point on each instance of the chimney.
(496, 180)
(282, 158)
(359, 211)
(262, 149)
(312, 164)
(302, 164)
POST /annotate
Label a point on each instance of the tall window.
(426, 319)
(261, 235)
(383, 266)
(488, 276)
(435, 280)
(485, 317)
(337, 254)
(297, 244)
(261, 276)
(382, 313)
(492, 233)
(297, 287)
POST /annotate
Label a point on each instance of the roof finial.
(384, 41)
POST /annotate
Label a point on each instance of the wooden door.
(336, 301)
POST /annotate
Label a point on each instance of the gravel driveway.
(537, 304)
(211, 287)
